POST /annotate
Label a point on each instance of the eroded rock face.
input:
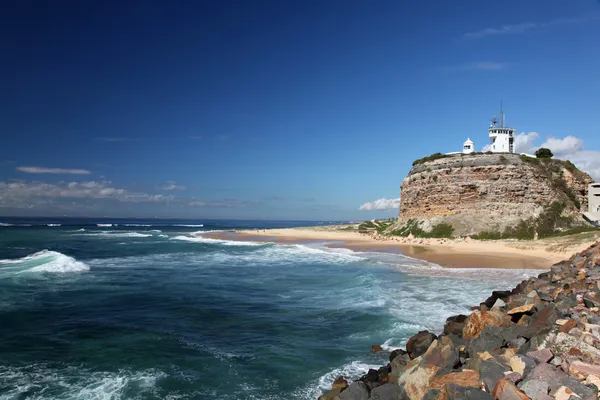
(484, 192)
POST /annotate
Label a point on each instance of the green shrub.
(442, 230)
(543, 153)
(435, 156)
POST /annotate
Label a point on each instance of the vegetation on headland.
(413, 227)
(433, 157)
(378, 226)
(543, 152)
(551, 222)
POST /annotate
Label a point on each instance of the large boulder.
(454, 325)
(386, 392)
(455, 392)
(356, 391)
(478, 320)
(415, 379)
(441, 353)
(505, 390)
(419, 343)
(468, 378)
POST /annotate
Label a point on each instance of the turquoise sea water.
(148, 310)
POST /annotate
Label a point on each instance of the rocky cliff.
(482, 192)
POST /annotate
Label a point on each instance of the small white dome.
(469, 141)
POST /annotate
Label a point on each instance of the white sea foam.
(137, 225)
(155, 230)
(35, 380)
(116, 234)
(200, 239)
(53, 225)
(5, 224)
(105, 225)
(351, 371)
(189, 226)
(43, 261)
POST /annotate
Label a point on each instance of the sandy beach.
(451, 253)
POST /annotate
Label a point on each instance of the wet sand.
(450, 254)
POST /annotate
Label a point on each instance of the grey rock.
(356, 391)
(490, 372)
(517, 343)
(555, 378)
(455, 392)
(529, 362)
(387, 391)
(432, 394)
(397, 352)
(499, 304)
(419, 343)
(454, 325)
(541, 356)
(535, 389)
(556, 361)
(579, 388)
(489, 339)
(330, 394)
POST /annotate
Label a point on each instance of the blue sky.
(277, 109)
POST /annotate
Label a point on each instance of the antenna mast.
(501, 116)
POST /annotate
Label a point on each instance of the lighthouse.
(468, 146)
(502, 138)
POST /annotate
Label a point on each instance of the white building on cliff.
(502, 138)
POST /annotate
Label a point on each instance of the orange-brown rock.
(521, 309)
(570, 324)
(480, 319)
(340, 383)
(505, 390)
(468, 378)
(376, 348)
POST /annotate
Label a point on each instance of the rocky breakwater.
(540, 340)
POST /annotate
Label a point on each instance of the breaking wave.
(200, 239)
(43, 261)
(42, 382)
(189, 226)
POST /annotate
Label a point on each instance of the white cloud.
(42, 170)
(381, 204)
(566, 146)
(26, 194)
(572, 148)
(513, 29)
(525, 142)
(170, 185)
(225, 203)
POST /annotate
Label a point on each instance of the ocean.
(144, 309)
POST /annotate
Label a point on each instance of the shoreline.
(449, 253)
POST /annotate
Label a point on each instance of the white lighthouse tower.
(501, 137)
